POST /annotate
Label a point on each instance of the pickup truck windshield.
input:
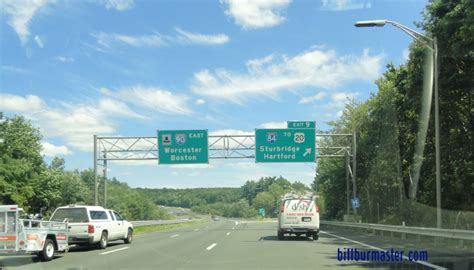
(72, 214)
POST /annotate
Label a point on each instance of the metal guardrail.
(139, 223)
(446, 233)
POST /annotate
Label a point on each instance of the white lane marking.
(211, 246)
(196, 230)
(176, 235)
(115, 250)
(228, 233)
(379, 249)
(236, 223)
(233, 228)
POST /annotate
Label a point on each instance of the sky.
(132, 67)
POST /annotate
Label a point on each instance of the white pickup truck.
(93, 225)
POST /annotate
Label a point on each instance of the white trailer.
(26, 236)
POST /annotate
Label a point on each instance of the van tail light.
(90, 228)
(317, 208)
(282, 208)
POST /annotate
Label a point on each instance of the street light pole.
(432, 44)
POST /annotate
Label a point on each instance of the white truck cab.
(94, 225)
(299, 214)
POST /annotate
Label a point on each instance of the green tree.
(58, 164)
(21, 163)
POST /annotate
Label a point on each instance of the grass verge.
(164, 227)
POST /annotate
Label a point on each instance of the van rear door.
(299, 212)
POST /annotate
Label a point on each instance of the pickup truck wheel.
(103, 240)
(129, 238)
(47, 254)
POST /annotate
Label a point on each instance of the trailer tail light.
(90, 228)
(317, 208)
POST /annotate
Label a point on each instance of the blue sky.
(128, 68)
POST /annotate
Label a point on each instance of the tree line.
(28, 181)
(229, 202)
(389, 133)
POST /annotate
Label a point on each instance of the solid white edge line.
(211, 246)
(379, 249)
(196, 230)
(115, 250)
(176, 235)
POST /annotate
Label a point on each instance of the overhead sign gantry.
(298, 143)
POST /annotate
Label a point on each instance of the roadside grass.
(164, 227)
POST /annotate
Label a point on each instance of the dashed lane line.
(112, 251)
(211, 246)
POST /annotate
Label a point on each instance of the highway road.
(231, 244)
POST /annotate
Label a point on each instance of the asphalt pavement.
(232, 244)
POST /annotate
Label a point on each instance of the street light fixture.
(431, 43)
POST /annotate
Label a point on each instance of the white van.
(299, 214)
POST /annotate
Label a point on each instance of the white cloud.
(119, 5)
(252, 14)
(21, 12)
(230, 132)
(318, 96)
(341, 5)
(107, 39)
(137, 162)
(13, 69)
(64, 59)
(152, 98)
(274, 125)
(51, 150)
(342, 97)
(192, 166)
(74, 123)
(266, 77)
(119, 108)
(39, 42)
(21, 104)
(406, 54)
(200, 102)
(338, 100)
(196, 38)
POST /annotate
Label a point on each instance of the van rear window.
(98, 215)
(72, 214)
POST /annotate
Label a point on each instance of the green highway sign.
(285, 145)
(182, 147)
(261, 211)
(301, 124)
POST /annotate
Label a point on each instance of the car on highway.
(298, 215)
(93, 225)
